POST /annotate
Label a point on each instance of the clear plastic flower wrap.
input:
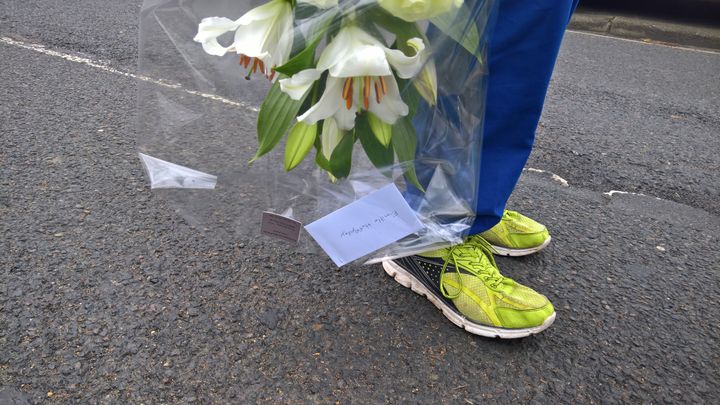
(302, 107)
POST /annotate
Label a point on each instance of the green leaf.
(305, 59)
(300, 141)
(321, 161)
(381, 156)
(397, 26)
(277, 114)
(460, 26)
(381, 129)
(301, 61)
(404, 141)
(341, 158)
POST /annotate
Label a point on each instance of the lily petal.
(392, 105)
(336, 50)
(330, 102)
(297, 85)
(284, 44)
(210, 29)
(365, 60)
(407, 66)
(353, 53)
(329, 138)
(266, 33)
(345, 117)
(265, 12)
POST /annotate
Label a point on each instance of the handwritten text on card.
(365, 225)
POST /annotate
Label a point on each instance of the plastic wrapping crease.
(196, 150)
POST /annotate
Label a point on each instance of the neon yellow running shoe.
(464, 282)
(516, 235)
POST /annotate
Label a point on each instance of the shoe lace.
(471, 256)
(510, 216)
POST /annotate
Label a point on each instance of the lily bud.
(426, 83)
(330, 137)
(298, 145)
(381, 129)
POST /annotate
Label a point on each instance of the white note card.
(364, 226)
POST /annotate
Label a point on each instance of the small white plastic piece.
(170, 175)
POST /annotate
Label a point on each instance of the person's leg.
(464, 280)
(522, 54)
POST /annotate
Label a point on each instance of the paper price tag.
(281, 227)
(365, 225)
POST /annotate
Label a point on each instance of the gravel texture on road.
(634, 117)
(108, 296)
(104, 29)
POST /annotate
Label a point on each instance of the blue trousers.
(522, 52)
(524, 40)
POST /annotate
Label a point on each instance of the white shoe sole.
(406, 280)
(499, 250)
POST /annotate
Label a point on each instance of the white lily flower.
(263, 36)
(344, 97)
(360, 77)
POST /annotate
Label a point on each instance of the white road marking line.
(612, 192)
(637, 41)
(565, 183)
(553, 175)
(107, 68)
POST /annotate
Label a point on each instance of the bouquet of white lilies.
(362, 119)
(343, 71)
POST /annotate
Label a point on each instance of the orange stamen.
(255, 65)
(348, 100)
(346, 88)
(261, 65)
(246, 61)
(366, 92)
(383, 85)
(378, 95)
(272, 75)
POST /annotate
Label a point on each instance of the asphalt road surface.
(107, 296)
